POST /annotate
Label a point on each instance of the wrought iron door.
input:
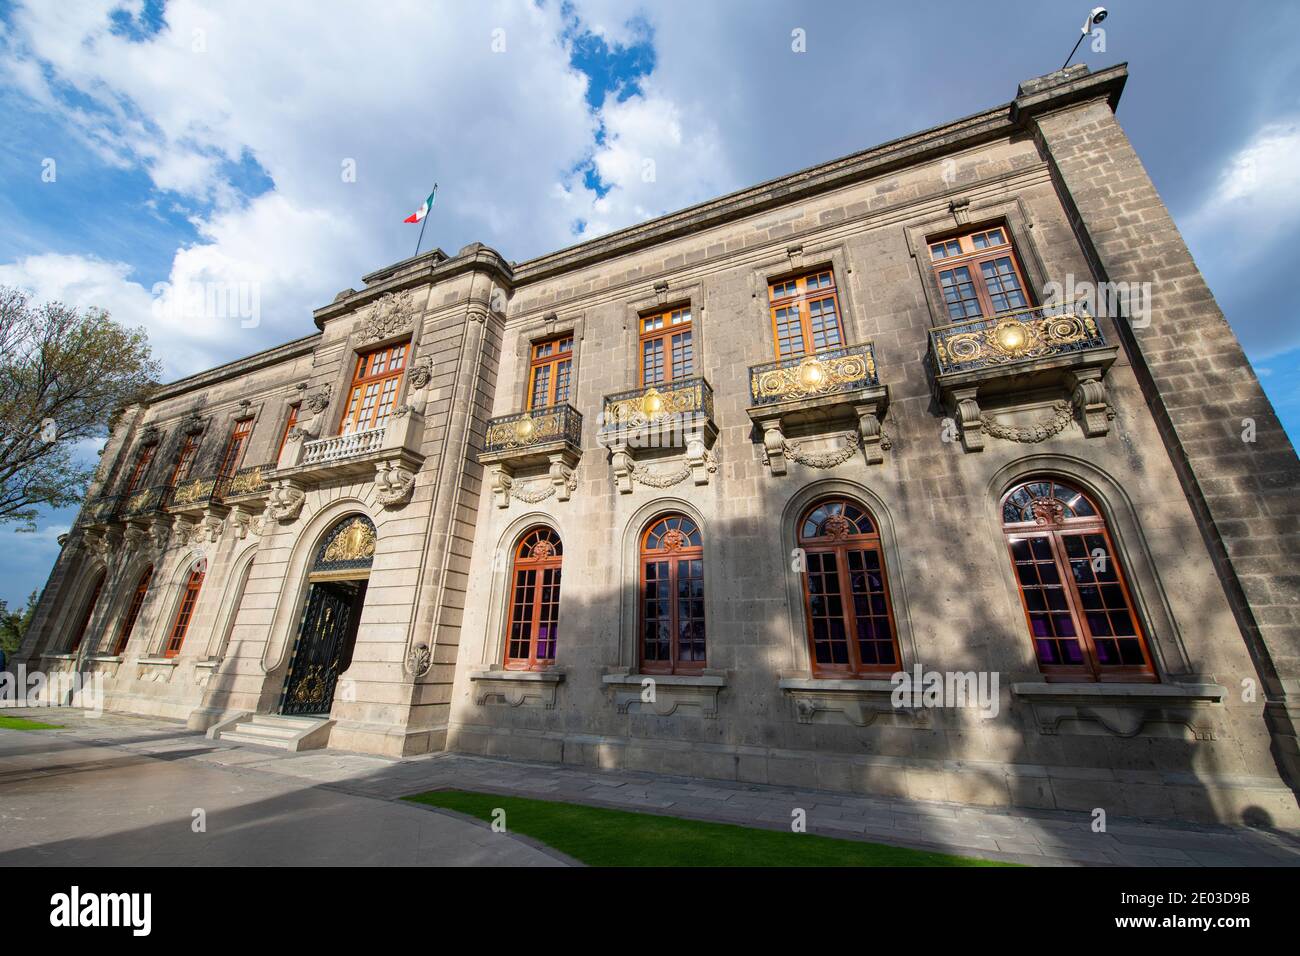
(324, 646)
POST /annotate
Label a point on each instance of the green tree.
(63, 372)
(13, 625)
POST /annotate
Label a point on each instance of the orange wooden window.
(142, 462)
(667, 346)
(672, 597)
(133, 612)
(235, 445)
(979, 274)
(373, 391)
(805, 314)
(184, 613)
(289, 423)
(1077, 603)
(846, 597)
(550, 372)
(535, 601)
(184, 459)
(84, 624)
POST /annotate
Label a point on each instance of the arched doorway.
(336, 592)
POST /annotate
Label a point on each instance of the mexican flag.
(423, 211)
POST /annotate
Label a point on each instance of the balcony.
(670, 421)
(1011, 361)
(389, 455)
(145, 503)
(194, 494)
(102, 510)
(819, 409)
(540, 439)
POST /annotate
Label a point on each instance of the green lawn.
(22, 723)
(600, 837)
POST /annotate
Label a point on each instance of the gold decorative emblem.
(654, 404)
(247, 482)
(542, 550)
(311, 689)
(354, 542)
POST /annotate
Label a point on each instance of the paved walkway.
(121, 789)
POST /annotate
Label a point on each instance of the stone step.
(235, 737)
(269, 731)
(279, 720)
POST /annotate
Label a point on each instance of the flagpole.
(424, 222)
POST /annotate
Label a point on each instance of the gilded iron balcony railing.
(143, 502)
(534, 428)
(194, 492)
(830, 372)
(249, 481)
(1011, 337)
(663, 403)
(104, 508)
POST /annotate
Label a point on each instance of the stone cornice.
(428, 269)
(235, 369)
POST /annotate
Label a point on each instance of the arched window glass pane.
(533, 633)
(1077, 605)
(850, 619)
(671, 611)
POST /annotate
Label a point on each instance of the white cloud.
(1258, 192)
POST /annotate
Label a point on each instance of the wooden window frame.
(840, 545)
(241, 430)
(551, 364)
(184, 460)
(91, 603)
(289, 422)
(792, 291)
(973, 258)
(132, 612)
(546, 554)
(357, 415)
(184, 613)
(673, 555)
(664, 336)
(143, 462)
(1054, 530)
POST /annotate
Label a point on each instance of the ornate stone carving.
(563, 481)
(210, 527)
(421, 374)
(1089, 398)
(393, 483)
(285, 501)
(240, 521)
(192, 424)
(1061, 416)
(966, 410)
(418, 660)
(318, 400)
(392, 314)
(150, 436)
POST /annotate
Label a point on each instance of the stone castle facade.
(686, 497)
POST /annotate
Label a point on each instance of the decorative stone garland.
(531, 495)
(1062, 415)
(666, 479)
(847, 448)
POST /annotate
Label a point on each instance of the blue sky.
(211, 142)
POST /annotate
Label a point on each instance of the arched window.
(846, 598)
(132, 612)
(535, 601)
(83, 625)
(185, 610)
(1077, 603)
(672, 596)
